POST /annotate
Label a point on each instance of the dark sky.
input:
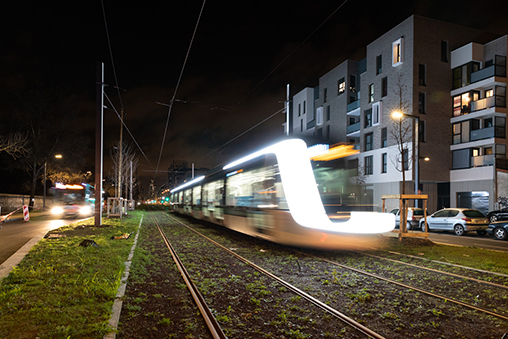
(237, 45)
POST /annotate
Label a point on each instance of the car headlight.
(85, 210)
(57, 210)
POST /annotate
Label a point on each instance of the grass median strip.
(63, 290)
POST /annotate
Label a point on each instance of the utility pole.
(286, 107)
(120, 157)
(99, 99)
(130, 196)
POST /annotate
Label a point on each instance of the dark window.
(325, 94)
(405, 157)
(421, 131)
(301, 125)
(304, 104)
(462, 74)
(444, 51)
(421, 103)
(422, 81)
(384, 137)
(299, 109)
(384, 87)
(379, 64)
(368, 117)
(461, 158)
(352, 83)
(369, 143)
(384, 162)
(327, 113)
(368, 165)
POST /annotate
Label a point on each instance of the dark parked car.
(502, 214)
(499, 230)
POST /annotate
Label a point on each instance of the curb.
(117, 305)
(8, 265)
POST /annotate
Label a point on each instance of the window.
(384, 87)
(327, 113)
(397, 56)
(341, 86)
(304, 105)
(489, 93)
(444, 51)
(352, 83)
(461, 132)
(196, 195)
(368, 165)
(301, 125)
(421, 131)
(376, 113)
(325, 94)
(384, 162)
(422, 76)
(379, 64)
(299, 109)
(384, 137)
(368, 117)
(405, 157)
(369, 143)
(462, 74)
(461, 104)
(421, 103)
(319, 116)
(371, 92)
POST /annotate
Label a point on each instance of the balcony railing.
(489, 132)
(483, 74)
(353, 105)
(353, 128)
(482, 160)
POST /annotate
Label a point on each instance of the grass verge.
(63, 290)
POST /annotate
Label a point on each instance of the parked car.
(414, 214)
(499, 230)
(501, 214)
(458, 220)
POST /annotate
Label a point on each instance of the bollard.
(26, 215)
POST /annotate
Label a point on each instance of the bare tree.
(48, 118)
(403, 132)
(128, 155)
(15, 144)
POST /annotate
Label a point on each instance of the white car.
(458, 220)
(414, 214)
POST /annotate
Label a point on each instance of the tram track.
(333, 312)
(388, 309)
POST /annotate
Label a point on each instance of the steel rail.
(450, 264)
(365, 330)
(497, 315)
(211, 322)
(436, 271)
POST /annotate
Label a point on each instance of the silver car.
(458, 220)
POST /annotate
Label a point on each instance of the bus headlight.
(57, 210)
(85, 210)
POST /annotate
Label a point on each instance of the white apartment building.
(416, 66)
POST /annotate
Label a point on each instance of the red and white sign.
(26, 216)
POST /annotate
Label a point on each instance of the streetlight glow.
(397, 115)
(58, 156)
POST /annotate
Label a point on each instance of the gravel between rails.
(249, 305)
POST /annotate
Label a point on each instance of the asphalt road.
(472, 239)
(15, 234)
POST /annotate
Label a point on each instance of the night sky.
(228, 82)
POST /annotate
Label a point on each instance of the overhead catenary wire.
(177, 85)
(127, 128)
(247, 131)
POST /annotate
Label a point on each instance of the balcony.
(352, 106)
(489, 132)
(482, 160)
(493, 101)
(353, 128)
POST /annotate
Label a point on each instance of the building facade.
(413, 69)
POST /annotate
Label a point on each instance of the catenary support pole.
(99, 99)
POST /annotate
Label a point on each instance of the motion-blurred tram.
(272, 194)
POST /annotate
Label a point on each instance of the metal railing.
(482, 160)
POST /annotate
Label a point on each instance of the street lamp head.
(426, 159)
(397, 115)
(58, 156)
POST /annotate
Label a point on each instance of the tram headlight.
(57, 210)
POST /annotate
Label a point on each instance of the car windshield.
(418, 212)
(473, 214)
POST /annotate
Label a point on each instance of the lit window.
(489, 93)
(371, 92)
(341, 86)
(397, 52)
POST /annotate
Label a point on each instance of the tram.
(272, 194)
